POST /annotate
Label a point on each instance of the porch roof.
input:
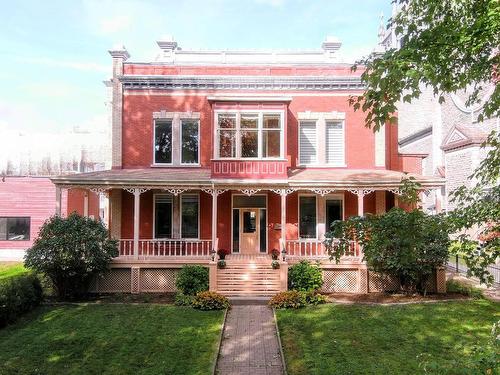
(201, 177)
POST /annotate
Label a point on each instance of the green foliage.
(314, 298)
(305, 276)
(9, 269)
(221, 263)
(481, 359)
(192, 279)
(183, 300)
(406, 245)
(291, 299)
(210, 301)
(71, 252)
(18, 294)
(275, 264)
(454, 286)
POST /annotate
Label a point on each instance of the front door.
(249, 230)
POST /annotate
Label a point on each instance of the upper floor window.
(307, 143)
(189, 142)
(321, 143)
(15, 228)
(163, 142)
(334, 139)
(249, 135)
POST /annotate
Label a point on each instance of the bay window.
(249, 134)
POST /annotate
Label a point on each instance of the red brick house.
(245, 151)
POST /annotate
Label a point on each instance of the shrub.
(313, 298)
(291, 299)
(71, 252)
(275, 264)
(221, 263)
(192, 279)
(275, 254)
(18, 294)
(183, 300)
(305, 277)
(222, 253)
(210, 301)
(454, 286)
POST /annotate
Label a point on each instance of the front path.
(250, 343)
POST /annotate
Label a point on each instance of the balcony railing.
(315, 249)
(167, 248)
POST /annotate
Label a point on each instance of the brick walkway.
(250, 343)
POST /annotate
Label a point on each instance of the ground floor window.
(15, 228)
(189, 216)
(333, 211)
(163, 216)
(307, 217)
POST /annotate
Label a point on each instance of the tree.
(71, 252)
(448, 46)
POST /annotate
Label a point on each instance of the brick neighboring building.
(246, 151)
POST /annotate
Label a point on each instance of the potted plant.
(222, 253)
(275, 254)
(221, 263)
(275, 264)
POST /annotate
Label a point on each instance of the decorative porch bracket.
(322, 191)
(361, 194)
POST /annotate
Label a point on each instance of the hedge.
(18, 294)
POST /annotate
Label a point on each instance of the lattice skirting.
(383, 283)
(136, 280)
(340, 280)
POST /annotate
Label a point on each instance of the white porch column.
(137, 207)
(86, 203)
(58, 200)
(283, 219)
(214, 218)
(360, 204)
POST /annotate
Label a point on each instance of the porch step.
(247, 278)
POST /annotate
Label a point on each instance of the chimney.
(168, 46)
(330, 46)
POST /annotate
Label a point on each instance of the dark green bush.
(183, 300)
(71, 252)
(454, 286)
(192, 279)
(305, 276)
(18, 294)
(210, 301)
(314, 298)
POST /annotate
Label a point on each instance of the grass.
(111, 339)
(362, 339)
(455, 286)
(8, 269)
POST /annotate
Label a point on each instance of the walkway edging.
(283, 362)
(217, 353)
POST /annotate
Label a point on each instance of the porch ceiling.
(201, 177)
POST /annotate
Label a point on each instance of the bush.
(183, 300)
(275, 264)
(305, 277)
(71, 252)
(210, 301)
(221, 263)
(454, 286)
(18, 294)
(313, 298)
(192, 279)
(275, 254)
(291, 299)
(222, 253)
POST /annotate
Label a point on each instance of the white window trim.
(154, 217)
(298, 210)
(299, 163)
(342, 122)
(239, 232)
(238, 113)
(180, 216)
(154, 142)
(197, 164)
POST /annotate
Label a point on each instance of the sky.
(54, 59)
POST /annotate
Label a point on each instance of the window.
(333, 211)
(189, 216)
(189, 142)
(307, 143)
(15, 228)
(307, 217)
(335, 143)
(163, 216)
(249, 135)
(163, 142)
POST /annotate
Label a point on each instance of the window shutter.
(335, 149)
(307, 143)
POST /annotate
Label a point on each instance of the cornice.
(169, 82)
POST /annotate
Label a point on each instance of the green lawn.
(8, 269)
(111, 339)
(362, 339)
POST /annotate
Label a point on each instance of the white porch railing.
(312, 248)
(167, 248)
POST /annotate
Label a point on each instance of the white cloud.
(115, 24)
(77, 65)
